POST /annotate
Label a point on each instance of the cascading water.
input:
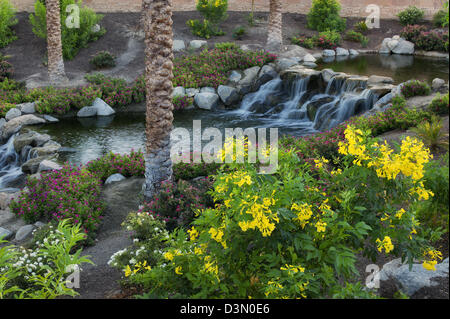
(305, 109)
(10, 169)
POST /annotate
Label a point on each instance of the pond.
(399, 67)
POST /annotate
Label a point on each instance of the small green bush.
(213, 12)
(324, 16)
(73, 39)
(361, 27)
(103, 59)
(303, 41)
(328, 39)
(411, 15)
(414, 88)
(439, 104)
(7, 20)
(224, 46)
(6, 68)
(356, 37)
(203, 29)
(239, 32)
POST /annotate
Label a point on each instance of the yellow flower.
(169, 256)
(429, 265)
(386, 244)
(193, 233)
(399, 213)
(178, 270)
(321, 226)
(128, 271)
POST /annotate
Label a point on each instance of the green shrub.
(356, 37)
(73, 39)
(71, 192)
(431, 133)
(213, 12)
(7, 20)
(361, 27)
(411, 15)
(439, 104)
(5, 107)
(414, 88)
(433, 40)
(224, 46)
(328, 40)
(41, 272)
(439, 18)
(103, 59)
(303, 41)
(6, 68)
(412, 32)
(324, 16)
(239, 32)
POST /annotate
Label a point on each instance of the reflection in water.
(400, 67)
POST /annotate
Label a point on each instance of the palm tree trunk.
(159, 74)
(56, 71)
(275, 35)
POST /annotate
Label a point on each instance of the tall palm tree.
(275, 35)
(56, 71)
(159, 74)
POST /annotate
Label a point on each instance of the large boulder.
(114, 178)
(342, 52)
(47, 165)
(5, 234)
(437, 84)
(403, 47)
(328, 74)
(191, 92)
(179, 91)
(31, 138)
(178, 45)
(2, 123)
(102, 108)
(328, 53)
(377, 80)
(285, 63)
(17, 123)
(266, 74)
(353, 52)
(24, 232)
(410, 281)
(309, 58)
(197, 44)
(48, 148)
(206, 101)
(50, 119)
(87, 111)
(234, 78)
(384, 49)
(293, 51)
(12, 114)
(245, 85)
(31, 166)
(207, 89)
(229, 95)
(27, 108)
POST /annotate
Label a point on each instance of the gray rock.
(24, 232)
(27, 108)
(39, 224)
(411, 281)
(382, 89)
(114, 178)
(31, 166)
(12, 114)
(178, 45)
(246, 84)
(383, 101)
(50, 119)
(207, 89)
(328, 53)
(103, 109)
(311, 65)
(197, 44)
(229, 95)
(17, 123)
(31, 138)
(437, 84)
(403, 47)
(376, 79)
(384, 47)
(293, 51)
(353, 52)
(47, 165)
(285, 63)
(87, 111)
(327, 75)
(179, 91)
(48, 148)
(342, 51)
(206, 101)
(252, 47)
(2, 123)
(6, 198)
(309, 58)
(392, 44)
(5, 234)
(234, 77)
(96, 28)
(191, 92)
(6, 216)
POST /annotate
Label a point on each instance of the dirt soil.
(124, 40)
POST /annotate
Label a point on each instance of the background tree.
(159, 74)
(56, 70)
(275, 33)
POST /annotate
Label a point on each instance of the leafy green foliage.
(213, 12)
(42, 271)
(239, 32)
(431, 133)
(7, 20)
(6, 68)
(103, 59)
(357, 37)
(411, 15)
(73, 39)
(439, 104)
(414, 88)
(324, 16)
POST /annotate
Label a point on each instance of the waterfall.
(10, 168)
(301, 105)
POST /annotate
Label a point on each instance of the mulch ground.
(28, 52)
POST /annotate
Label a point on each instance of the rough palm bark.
(159, 74)
(56, 70)
(275, 35)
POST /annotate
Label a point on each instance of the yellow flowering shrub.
(296, 233)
